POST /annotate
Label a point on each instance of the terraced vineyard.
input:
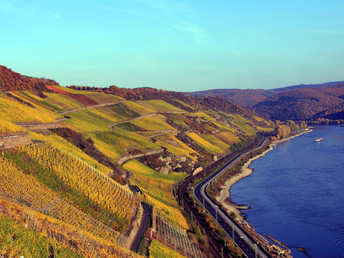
(69, 181)
(82, 179)
(17, 185)
(176, 239)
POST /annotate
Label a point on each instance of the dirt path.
(142, 229)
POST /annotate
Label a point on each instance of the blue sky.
(175, 45)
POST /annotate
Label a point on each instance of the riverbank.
(235, 209)
(224, 195)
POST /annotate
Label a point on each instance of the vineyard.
(59, 186)
(30, 192)
(40, 234)
(175, 238)
(80, 182)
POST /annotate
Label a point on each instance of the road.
(241, 239)
(142, 229)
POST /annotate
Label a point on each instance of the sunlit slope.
(14, 110)
(62, 180)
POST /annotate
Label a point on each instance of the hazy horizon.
(175, 45)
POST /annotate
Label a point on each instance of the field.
(152, 123)
(158, 188)
(120, 140)
(18, 241)
(159, 250)
(159, 105)
(14, 111)
(90, 120)
(26, 189)
(36, 232)
(83, 187)
(205, 144)
(8, 127)
(70, 194)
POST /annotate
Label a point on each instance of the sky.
(175, 45)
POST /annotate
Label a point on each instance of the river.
(296, 193)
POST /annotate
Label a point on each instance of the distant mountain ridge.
(298, 102)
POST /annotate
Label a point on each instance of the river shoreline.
(224, 195)
(232, 208)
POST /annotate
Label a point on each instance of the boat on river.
(319, 139)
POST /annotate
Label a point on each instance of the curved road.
(241, 239)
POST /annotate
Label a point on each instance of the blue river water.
(296, 193)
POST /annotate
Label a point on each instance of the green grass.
(65, 146)
(122, 110)
(204, 115)
(216, 142)
(159, 250)
(140, 109)
(140, 169)
(102, 97)
(14, 111)
(46, 103)
(52, 180)
(180, 149)
(120, 140)
(88, 121)
(129, 127)
(152, 123)
(63, 100)
(241, 122)
(211, 148)
(16, 241)
(227, 137)
(8, 127)
(158, 190)
(158, 105)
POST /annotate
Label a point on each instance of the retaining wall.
(12, 140)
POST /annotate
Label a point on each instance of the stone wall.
(39, 126)
(12, 140)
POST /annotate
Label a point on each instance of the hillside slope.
(96, 154)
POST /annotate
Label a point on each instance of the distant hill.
(244, 98)
(302, 104)
(298, 102)
(10, 81)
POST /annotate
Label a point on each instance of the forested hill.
(304, 104)
(299, 102)
(10, 81)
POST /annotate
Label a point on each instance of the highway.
(241, 239)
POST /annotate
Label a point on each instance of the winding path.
(93, 106)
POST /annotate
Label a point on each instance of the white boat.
(318, 140)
